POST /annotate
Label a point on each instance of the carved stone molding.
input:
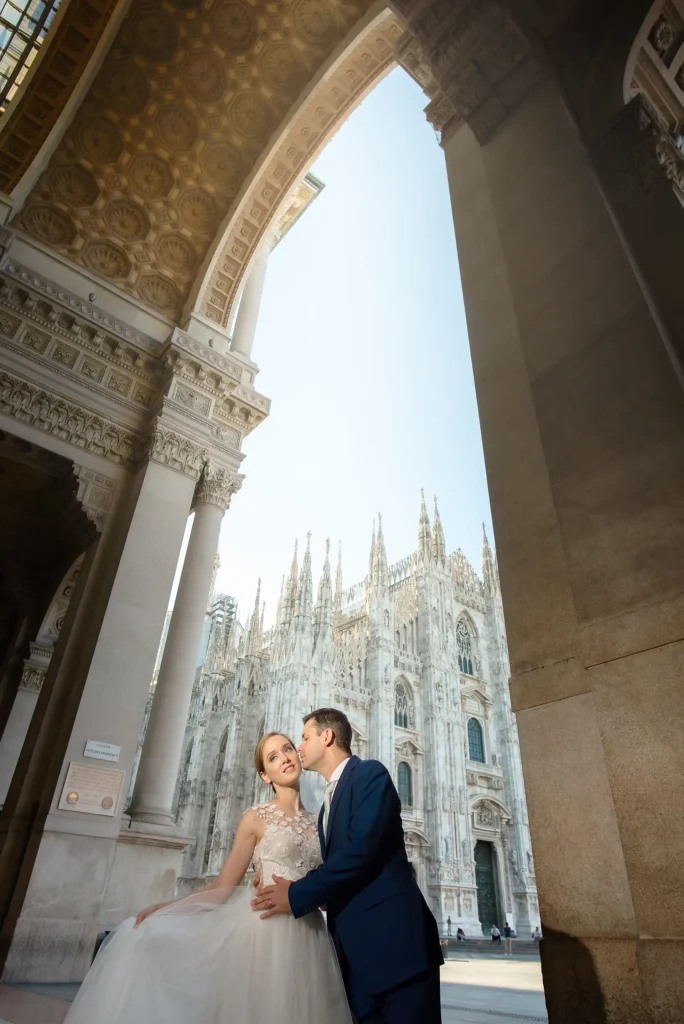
(76, 425)
(95, 493)
(75, 304)
(216, 486)
(471, 60)
(169, 448)
(32, 678)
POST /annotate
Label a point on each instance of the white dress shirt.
(329, 791)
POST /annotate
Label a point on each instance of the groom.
(385, 936)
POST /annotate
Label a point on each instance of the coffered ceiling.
(179, 114)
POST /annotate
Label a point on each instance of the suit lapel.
(321, 837)
(339, 790)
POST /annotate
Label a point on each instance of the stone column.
(95, 688)
(583, 431)
(157, 773)
(19, 719)
(250, 303)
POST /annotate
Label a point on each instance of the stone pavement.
(481, 991)
(492, 991)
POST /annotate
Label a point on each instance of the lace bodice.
(290, 845)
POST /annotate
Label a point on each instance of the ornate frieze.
(95, 493)
(170, 448)
(72, 423)
(60, 298)
(471, 60)
(216, 486)
(32, 678)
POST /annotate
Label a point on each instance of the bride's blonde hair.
(259, 752)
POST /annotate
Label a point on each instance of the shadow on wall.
(571, 985)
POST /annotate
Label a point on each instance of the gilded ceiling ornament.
(127, 219)
(314, 21)
(281, 70)
(159, 291)
(235, 26)
(204, 77)
(126, 88)
(176, 253)
(98, 140)
(251, 114)
(49, 225)
(197, 209)
(222, 163)
(106, 259)
(153, 35)
(151, 176)
(176, 127)
(73, 184)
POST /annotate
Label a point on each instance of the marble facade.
(416, 655)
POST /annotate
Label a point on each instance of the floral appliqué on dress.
(290, 844)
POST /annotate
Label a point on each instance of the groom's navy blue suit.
(386, 938)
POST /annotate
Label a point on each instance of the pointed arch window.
(475, 741)
(405, 784)
(402, 716)
(464, 646)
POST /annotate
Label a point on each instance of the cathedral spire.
(424, 539)
(381, 578)
(290, 602)
(438, 542)
(371, 560)
(489, 572)
(254, 637)
(279, 610)
(305, 592)
(338, 584)
(323, 614)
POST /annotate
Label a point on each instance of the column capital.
(470, 59)
(168, 447)
(216, 486)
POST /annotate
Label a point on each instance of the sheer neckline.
(272, 809)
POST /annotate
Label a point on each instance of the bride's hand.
(146, 912)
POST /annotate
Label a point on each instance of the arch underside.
(195, 132)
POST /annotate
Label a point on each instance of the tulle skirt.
(209, 959)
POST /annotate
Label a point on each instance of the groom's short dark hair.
(331, 718)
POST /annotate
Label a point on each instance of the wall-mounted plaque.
(91, 790)
(102, 751)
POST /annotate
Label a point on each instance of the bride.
(208, 958)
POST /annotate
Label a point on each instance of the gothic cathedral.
(416, 656)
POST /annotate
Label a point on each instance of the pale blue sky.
(363, 350)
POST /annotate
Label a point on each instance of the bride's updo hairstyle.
(259, 763)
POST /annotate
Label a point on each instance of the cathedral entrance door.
(487, 888)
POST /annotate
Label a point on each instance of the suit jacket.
(382, 927)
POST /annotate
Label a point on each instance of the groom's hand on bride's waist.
(273, 899)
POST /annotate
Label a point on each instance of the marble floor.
(474, 991)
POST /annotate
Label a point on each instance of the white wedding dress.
(210, 959)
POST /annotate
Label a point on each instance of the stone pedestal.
(583, 429)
